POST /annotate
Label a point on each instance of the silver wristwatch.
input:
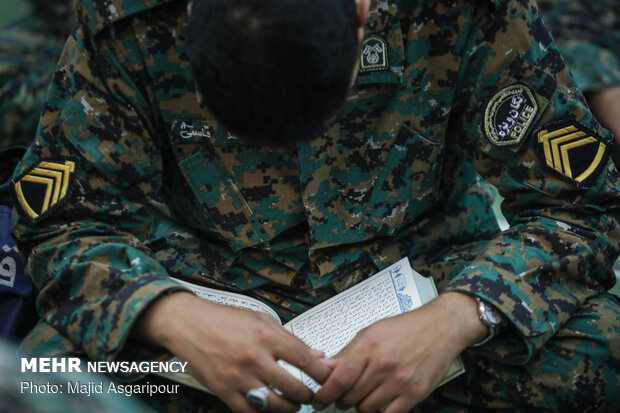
(490, 317)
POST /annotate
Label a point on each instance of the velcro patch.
(509, 115)
(374, 54)
(44, 188)
(572, 151)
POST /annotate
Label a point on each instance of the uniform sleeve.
(87, 196)
(525, 125)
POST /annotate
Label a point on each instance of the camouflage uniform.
(29, 50)
(587, 33)
(130, 181)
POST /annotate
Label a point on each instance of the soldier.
(132, 180)
(29, 50)
(588, 35)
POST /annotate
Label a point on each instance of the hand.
(605, 105)
(231, 351)
(397, 362)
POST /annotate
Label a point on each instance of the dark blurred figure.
(588, 35)
(29, 50)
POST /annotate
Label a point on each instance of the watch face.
(489, 315)
(492, 315)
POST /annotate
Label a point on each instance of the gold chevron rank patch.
(573, 152)
(43, 188)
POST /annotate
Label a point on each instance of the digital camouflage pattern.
(587, 33)
(160, 189)
(29, 50)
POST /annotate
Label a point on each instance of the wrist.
(159, 323)
(467, 327)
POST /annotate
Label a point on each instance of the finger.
(384, 397)
(401, 405)
(331, 363)
(275, 403)
(278, 404)
(365, 385)
(344, 376)
(295, 352)
(289, 386)
(317, 353)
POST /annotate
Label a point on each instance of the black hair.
(273, 71)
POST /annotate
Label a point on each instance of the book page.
(334, 323)
(330, 326)
(231, 299)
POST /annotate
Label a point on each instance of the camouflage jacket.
(587, 33)
(130, 181)
(29, 50)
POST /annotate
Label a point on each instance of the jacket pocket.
(407, 185)
(211, 183)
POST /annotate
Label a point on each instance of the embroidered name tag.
(509, 115)
(374, 54)
(572, 151)
(193, 130)
(44, 188)
(201, 131)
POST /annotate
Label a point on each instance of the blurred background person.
(587, 33)
(29, 50)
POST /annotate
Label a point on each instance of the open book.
(331, 325)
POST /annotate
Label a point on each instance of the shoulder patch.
(374, 54)
(573, 152)
(44, 188)
(509, 115)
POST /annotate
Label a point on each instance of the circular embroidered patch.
(509, 115)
